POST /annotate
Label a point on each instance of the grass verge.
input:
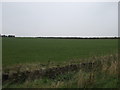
(104, 74)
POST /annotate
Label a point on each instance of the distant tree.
(4, 36)
(11, 36)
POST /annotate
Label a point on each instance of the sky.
(83, 19)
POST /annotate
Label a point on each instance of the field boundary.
(50, 73)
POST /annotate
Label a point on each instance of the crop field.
(36, 50)
(60, 63)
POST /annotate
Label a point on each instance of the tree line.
(79, 37)
(67, 37)
(7, 35)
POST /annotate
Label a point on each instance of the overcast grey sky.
(60, 19)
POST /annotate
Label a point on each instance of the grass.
(102, 76)
(21, 54)
(36, 50)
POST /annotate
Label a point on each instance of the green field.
(37, 50)
(22, 55)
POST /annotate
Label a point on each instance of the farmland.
(36, 50)
(60, 63)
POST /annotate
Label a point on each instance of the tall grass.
(104, 75)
